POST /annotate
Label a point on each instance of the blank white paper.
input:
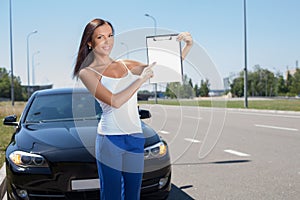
(165, 50)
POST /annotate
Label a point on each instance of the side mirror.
(10, 120)
(144, 114)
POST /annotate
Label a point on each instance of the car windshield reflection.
(64, 107)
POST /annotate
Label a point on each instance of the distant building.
(226, 82)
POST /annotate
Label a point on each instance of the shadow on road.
(223, 162)
(228, 162)
(178, 193)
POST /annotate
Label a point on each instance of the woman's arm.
(91, 81)
(187, 38)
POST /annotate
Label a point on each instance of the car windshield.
(63, 107)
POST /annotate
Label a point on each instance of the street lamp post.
(154, 20)
(155, 28)
(245, 69)
(127, 49)
(28, 77)
(32, 66)
(11, 57)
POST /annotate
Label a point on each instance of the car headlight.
(156, 151)
(25, 159)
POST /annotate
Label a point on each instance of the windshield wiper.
(71, 119)
(32, 122)
(57, 120)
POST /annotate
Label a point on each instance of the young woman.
(114, 83)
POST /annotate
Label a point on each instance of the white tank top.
(123, 120)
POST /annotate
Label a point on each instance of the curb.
(2, 181)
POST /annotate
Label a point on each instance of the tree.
(237, 87)
(172, 90)
(5, 84)
(180, 90)
(281, 86)
(187, 90)
(190, 82)
(20, 94)
(261, 82)
(204, 88)
(295, 83)
(289, 80)
(196, 90)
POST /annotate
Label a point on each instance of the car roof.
(60, 91)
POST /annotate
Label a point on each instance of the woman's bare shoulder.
(131, 64)
(88, 72)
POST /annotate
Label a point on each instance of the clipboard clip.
(162, 38)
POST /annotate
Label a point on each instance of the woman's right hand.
(147, 72)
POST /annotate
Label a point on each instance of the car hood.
(57, 135)
(67, 135)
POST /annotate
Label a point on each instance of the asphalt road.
(230, 154)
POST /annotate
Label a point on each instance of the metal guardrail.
(2, 181)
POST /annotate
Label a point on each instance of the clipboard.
(165, 50)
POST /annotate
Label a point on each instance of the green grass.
(284, 105)
(5, 135)
(6, 131)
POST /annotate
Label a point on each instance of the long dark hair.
(85, 57)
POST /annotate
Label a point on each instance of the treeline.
(262, 82)
(5, 86)
(181, 90)
(186, 89)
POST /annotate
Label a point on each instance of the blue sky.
(216, 25)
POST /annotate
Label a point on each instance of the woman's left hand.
(186, 37)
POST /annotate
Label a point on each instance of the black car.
(51, 153)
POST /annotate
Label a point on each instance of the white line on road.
(276, 127)
(192, 117)
(236, 153)
(271, 114)
(192, 140)
(164, 132)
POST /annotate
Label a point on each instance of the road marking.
(164, 132)
(271, 114)
(192, 140)
(276, 127)
(191, 117)
(236, 153)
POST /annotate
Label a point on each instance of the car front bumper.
(155, 185)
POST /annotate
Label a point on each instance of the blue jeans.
(120, 162)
